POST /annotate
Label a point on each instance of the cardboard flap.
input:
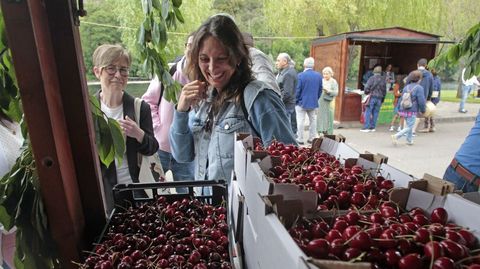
(400, 196)
(309, 199)
(288, 211)
(472, 196)
(345, 152)
(457, 207)
(400, 178)
(437, 185)
(329, 146)
(425, 200)
(418, 184)
(339, 138)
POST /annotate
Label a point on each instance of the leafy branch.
(469, 48)
(152, 39)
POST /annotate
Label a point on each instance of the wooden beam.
(49, 69)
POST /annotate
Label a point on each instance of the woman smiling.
(223, 98)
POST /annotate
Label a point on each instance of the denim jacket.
(417, 96)
(213, 151)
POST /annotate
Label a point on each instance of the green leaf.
(163, 35)
(141, 35)
(165, 8)
(106, 145)
(95, 105)
(179, 15)
(177, 3)
(156, 33)
(156, 4)
(5, 219)
(118, 139)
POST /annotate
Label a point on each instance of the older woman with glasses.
(223, 98)
(111, 67)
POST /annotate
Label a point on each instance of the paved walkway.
(445, 112)
(431, 152)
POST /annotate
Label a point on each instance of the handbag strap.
(137, 105)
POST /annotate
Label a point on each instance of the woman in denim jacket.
(417, 97)
(209, 109)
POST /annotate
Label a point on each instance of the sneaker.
(462, 111)
(399, 129)
(410, 143)
(431, 130)
(425, 130)
(372, 130)
(414, 134)
(391, 129)
(365, 130)
(394, 139)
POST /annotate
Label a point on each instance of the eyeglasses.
(112, 70)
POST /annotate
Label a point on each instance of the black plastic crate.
(135, 194)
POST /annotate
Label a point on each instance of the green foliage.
(92, 34)
(468, 48)
(21, 206)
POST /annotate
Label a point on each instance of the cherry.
(444, 263)
(388, 212)
(337, 247)
(433, 250)
(453, 249)
(439, 215)
(351, 253)
(410, 261)
(392, 257)
(318, 248)
(361, 240)
(420, 219)
(470, 239)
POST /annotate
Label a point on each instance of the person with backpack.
(377, 88)
(411, 103)
(162, 117)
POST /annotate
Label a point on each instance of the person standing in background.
(426, 82)
(376, 87)
(287, 81)
(162, 117)
(389, 77)
(308, 91)
(111, 67)
(467, 87)
(429, 123)
(325, 110)
(11, 141)
(417, 105)
(262, 66)
(396, 95)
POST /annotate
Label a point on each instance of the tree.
(97, 28)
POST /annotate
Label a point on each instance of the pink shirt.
(162, 116)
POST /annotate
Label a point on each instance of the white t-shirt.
(123, 174)
(10, 142)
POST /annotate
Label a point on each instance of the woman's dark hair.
(226, 31)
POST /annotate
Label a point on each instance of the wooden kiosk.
(398, 46)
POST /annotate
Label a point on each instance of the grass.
(451, 96)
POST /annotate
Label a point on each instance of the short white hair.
(328, 69)
(287, 57)
(309, 62)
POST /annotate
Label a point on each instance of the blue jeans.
(460, 183)
(408, 129)
(180, 171)
(371, 114)
(293, 119)
(465, 92)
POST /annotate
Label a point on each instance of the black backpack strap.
(245, 113)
